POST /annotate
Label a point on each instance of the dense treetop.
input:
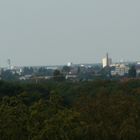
(97, 110)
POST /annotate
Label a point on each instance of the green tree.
(132, 72)
(58, 76)
(13, 119)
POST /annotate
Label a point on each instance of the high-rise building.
(9, 63)
(106, 62)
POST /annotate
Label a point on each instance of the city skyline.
(56, 32)
(105, 60)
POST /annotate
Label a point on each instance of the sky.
(50, 32)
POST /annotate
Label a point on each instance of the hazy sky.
(43, 32)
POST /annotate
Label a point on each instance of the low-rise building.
(138, 69)
(120, 70)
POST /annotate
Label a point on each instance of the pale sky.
(44, 32)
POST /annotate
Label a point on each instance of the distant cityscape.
(74, 72)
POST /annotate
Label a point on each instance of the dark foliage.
(97, 110)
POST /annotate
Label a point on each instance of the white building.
(69, 64)
(106, 61)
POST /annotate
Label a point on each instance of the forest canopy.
(96, 110)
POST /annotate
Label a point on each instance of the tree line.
(97, 110)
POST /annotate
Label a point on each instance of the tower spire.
(107, 59)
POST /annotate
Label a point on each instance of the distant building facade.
(138, 69)
(120, 70)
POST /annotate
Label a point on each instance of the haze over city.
(39, 32)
